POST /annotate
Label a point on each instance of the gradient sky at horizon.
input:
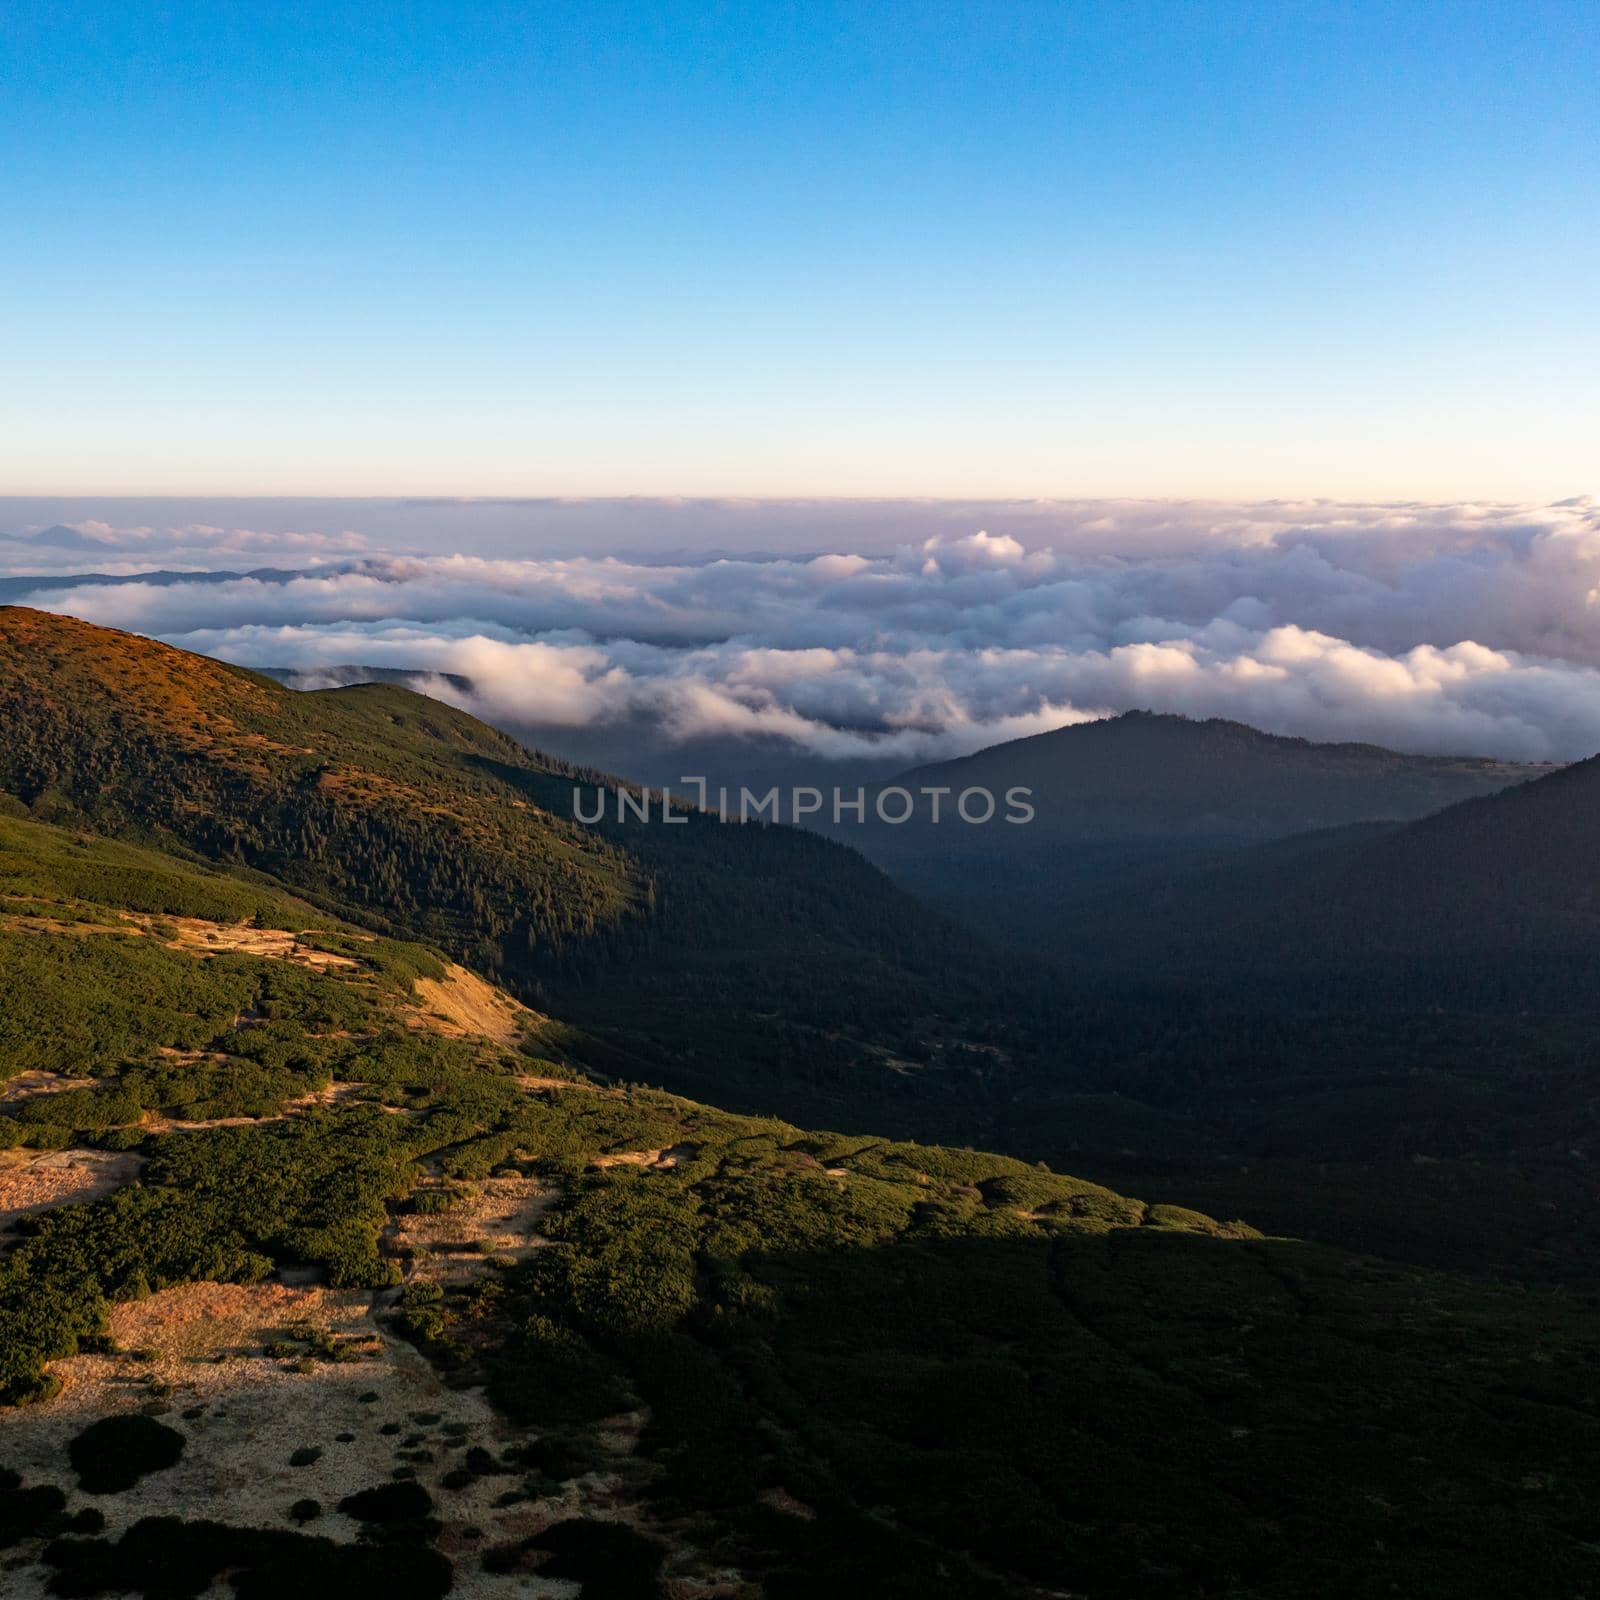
(821, 249)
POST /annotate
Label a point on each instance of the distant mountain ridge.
(1492, 903)
(346, 675)
(1140, 790)
(1212, 853)
(62, 537)
(16, 589)
(1159, 775)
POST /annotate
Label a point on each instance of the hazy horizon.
(871, 635)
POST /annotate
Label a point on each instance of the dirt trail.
(194, 935)
(30, 1085)
(333, 1095)
(534, 1081)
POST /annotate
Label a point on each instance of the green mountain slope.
(718, 1349)
(763, 965)
(375, 800)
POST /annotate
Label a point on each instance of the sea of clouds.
(1470, 629)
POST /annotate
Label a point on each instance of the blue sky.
(817, 249)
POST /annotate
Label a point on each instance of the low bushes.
(113, 1454)
(166, 1558)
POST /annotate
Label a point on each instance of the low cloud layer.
(93, 545)
(1470, 629)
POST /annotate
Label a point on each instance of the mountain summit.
(1154, 775)
(61, 537)
(1142, 789)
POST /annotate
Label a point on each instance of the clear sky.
(809, 249)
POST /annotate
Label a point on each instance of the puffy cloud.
(975, 553)
(1472, 629)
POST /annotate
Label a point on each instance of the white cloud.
(1471, 629)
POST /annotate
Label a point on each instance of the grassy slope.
(374, 800)
(787, 954)
(980, 1377)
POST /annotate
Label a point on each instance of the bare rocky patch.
(663, 1160)
(198, 936)
(194, 935)
(267, 1426)
(30, 1085)
(476, 1224)
(30, 1182)
(462, 1005)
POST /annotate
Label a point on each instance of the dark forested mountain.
(1141, 789)
(372, 799)
(1145, 775)
(1346, 1030)
(1491, 905)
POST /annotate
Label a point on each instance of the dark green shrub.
(607, 1558)
(165, 1558)
(554, 1459)
(114, 1453)
(388, 1504)
(502, 1559)
(27, 1513)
